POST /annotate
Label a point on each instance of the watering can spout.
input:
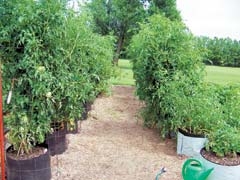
(194, 170)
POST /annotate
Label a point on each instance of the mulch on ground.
(114, 145)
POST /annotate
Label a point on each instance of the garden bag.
(189, 145)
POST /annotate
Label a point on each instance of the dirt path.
(113, 145)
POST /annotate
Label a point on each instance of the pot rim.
(185, 133)
(216, 162)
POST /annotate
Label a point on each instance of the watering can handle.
(187, 162)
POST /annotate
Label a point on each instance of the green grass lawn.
(222, 75)
(124, 73)
(215, 74)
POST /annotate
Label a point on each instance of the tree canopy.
(167, 8)
(122, 17)
(119, 17)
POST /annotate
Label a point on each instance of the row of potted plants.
(169, 73)
(52, 65)
(214, 115)
(208, 111)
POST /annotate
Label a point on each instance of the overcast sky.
(220, 18)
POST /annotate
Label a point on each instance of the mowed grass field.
(124, 73)
(222, 75)
(214, 74)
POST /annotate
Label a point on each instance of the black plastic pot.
(56, 142)
(37, 168)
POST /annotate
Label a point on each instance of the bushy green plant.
(87, 66)
(229, 97)
(224, 141)
(166, 62)
(224, 137)
(52, 62)
(198, 113)
(29, 33)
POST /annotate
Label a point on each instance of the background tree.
(168, 8)
(220, 51)
(119, 17)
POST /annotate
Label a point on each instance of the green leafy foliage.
(87, 65)
(166, 63)
(224, 137)
(52, 62)
(224, 141)
(28, 41)
(199, 113)
(229, 97)
(119, 17)
(167, 8)
(122, 18)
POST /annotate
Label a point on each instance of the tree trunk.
(119, 49)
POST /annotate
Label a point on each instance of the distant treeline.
(220, 51)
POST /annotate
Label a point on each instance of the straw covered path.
(113, 145)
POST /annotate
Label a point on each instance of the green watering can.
(194, 170)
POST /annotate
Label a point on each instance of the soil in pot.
(35, 166)
(226, 161)
(225, 168)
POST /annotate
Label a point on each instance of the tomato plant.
(52, 63)
(165, 56)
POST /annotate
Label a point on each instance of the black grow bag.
(37, 168)
(56, 142)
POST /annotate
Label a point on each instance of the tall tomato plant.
(164, 56)
(29, 44)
